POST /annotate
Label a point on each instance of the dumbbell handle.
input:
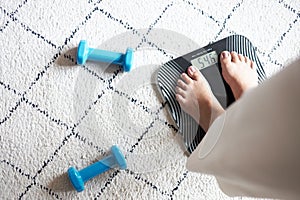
(105, 56)
(97, 168)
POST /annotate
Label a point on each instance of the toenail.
(225, 54)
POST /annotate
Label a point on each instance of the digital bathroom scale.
(207, 60)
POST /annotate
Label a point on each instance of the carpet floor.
(55, 114)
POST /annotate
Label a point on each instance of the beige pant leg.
(253, 149)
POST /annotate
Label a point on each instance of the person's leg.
(239, 72)
(253, 148)
(195, 97)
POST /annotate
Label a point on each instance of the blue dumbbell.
(78, 178)
(85, 53)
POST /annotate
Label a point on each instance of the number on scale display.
(205, 60)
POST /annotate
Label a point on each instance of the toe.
(179, 91)
(235, 57)
(252, 65)
(181, 84)
(242, 58)
(194, 73)
(225, 57)
(186, 78)
(247, 60)
(180, 99)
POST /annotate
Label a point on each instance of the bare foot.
(195, 97)
(239, 72)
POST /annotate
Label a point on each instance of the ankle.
(210, 113)
(206, 115)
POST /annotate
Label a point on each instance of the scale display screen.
(205, 60)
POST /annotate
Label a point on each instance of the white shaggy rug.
(55, 114)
